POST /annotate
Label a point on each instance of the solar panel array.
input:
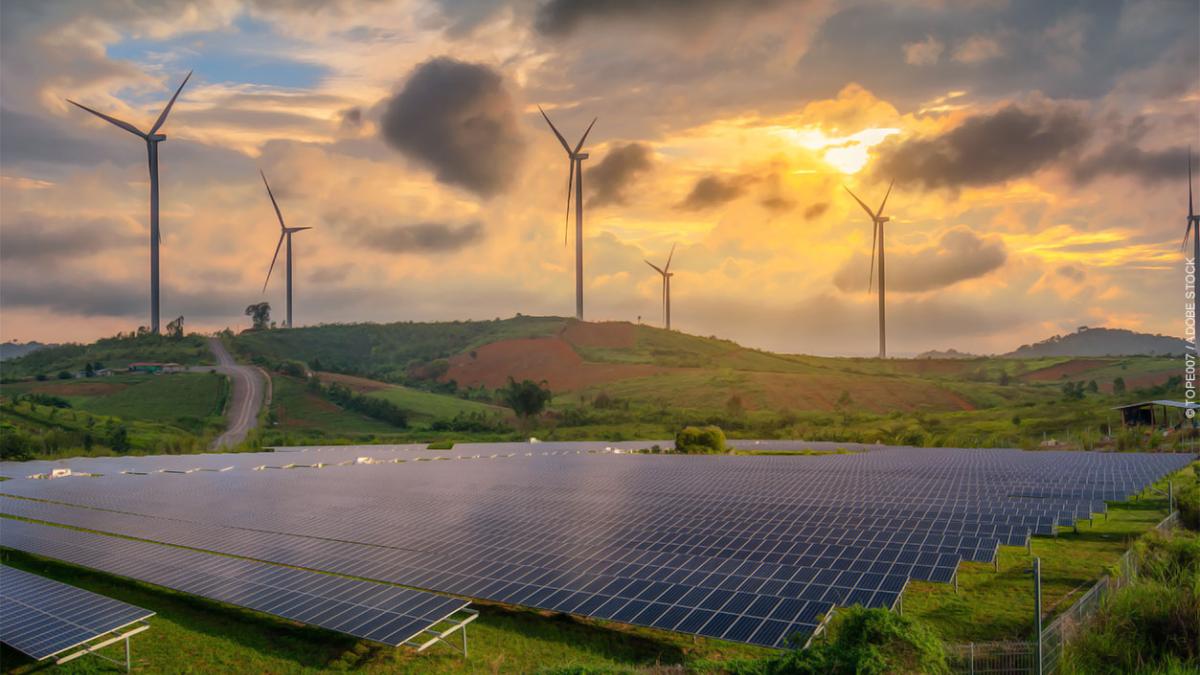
(377, 612)
(41, 617)
(750, 549)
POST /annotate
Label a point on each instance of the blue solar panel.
(376, 612)
(41, 617)
(745, 548)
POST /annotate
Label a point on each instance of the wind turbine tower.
(285, 232)
(152, 138)
(666, 273)
(877, 222)
(1193, 229)
(575, 176)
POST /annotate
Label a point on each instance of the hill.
(1101, 342)
(13, 350)
(115, 353)
(946, 354)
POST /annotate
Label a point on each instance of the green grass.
(193, 635)
(427, 406)
(297, 409)
(993, 605)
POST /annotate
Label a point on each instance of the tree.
(118, 438)
(89, 370)
(843, 405)
(527, 398)
(1119, 385)
(734, 407)
(64, 375)
(700, 440)
(175, 328)
(260, 315)
(1004, 378)
(1092, 387)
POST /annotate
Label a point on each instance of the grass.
(999, 605)
(156, 398)
(193, 635)
(297, 409)
(116, 353)
(424, 406)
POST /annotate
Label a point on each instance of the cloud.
(816, 210)
(608, 181)
(420, 237)
(32, 237)
(714, 190)
(563, 17)
(958, 255)
(923, 53)
(990, 148)
(457, 119)
(1124, 158)
(978, 49)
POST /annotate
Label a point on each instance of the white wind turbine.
(285, 232)
(574, 177)
(152, 138)
(666, 273)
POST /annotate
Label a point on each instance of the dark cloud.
(352, 118)
(33, 138)
(715, 190)
(31, 237)
(1124, 158)
(986, 149)
(96, 296)
(562, 17)
(959, 255)
(816, 210)
(608, 180)
(1070, 272)
(421, 237)
(458, 119)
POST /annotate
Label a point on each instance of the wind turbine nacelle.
(581, 155)
(883, 219)
(158, 138)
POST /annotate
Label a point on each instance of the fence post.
(972, 658)
(1037, 601)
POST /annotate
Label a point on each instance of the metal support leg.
(128, 661)
(464, 632)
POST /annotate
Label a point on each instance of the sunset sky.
(1039, 151)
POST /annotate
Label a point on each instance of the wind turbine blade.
(1190, 211)
(273, 202)
(555, 130)
(1186, 231)
(656, 267)
(861, 203)
(567, 215)
(585, 135)
(162, 117)
(112, 120)
(871, 276)
(885, 196)
(273, 259)
(672, 255)
(298, 229)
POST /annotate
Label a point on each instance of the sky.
(1038, 151)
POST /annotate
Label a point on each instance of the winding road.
(245, 399)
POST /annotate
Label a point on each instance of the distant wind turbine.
(666, 273)
(285, 232)
(574, 176)
(877, 221)
(152, 138)
(1192, 228)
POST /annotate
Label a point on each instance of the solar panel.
(41, 617)
(376, 612)
(750, 549)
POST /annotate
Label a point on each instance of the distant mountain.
(946, 354)
(13, 350)
(1101, 342)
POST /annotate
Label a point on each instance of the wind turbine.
(666, 273)
(575, 176)
(152, 138)
(285, 232)
(877, 221)
(1192, 228)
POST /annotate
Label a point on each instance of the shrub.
(700, 440)
(1187, 500)
(440, 445)
(15, 444)
(860, 642)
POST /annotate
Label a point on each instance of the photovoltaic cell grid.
(41, 617)
(364, 609)
(744, 548)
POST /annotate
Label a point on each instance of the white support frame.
(118, 634)
(435, 636)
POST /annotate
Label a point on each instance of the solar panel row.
(41, 617)
(376, 612)
(600, 535)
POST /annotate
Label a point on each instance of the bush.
(15, 444)
(440, 445)
(860, 642)
(1187, 500)
(700, 440)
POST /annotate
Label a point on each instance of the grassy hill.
(115, 353)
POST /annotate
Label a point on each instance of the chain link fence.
(1021, 658)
